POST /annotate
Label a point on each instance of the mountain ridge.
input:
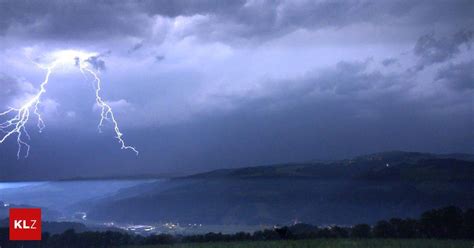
(386, 163)
(363, 189)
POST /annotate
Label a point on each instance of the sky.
(201, 85)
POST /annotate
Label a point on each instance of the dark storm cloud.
(96, 63)
(353, 79)
(458, 76)
(250, 19)
(349, 78)
(172, 8)
(226, 19)
(389, 61)
(432, 50)
(89, 19)
(136, 47)
(257, 20)
(81, 19)
(349, 85)
(159, 58)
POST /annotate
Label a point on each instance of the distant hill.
(363, 189)
(406, 166)
(46, 213)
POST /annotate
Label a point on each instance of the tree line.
(444, 223)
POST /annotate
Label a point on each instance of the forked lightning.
(17, 119)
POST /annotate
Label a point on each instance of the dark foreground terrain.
(331, 243)
(445, 227)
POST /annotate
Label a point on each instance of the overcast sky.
(199, 85)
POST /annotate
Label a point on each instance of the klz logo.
(25, 224)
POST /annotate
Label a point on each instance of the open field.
(332, 243)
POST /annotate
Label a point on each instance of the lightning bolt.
(18, 118)
(106, 110)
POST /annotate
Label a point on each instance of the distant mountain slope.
(380, 166)
(46, 213)
(364, 189)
